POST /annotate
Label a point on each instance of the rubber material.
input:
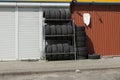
(80, 39)
(60, 48)
(48, 49)
(63, 14)
(57, 13)
(47, 29)
(54, 57)
(65, 56)
(59, 30)
(48, 57)
(47, 14)
(70, 29)
(52, 14)
(60, 56)
(66, 48)
(81, 57)
(64, 30)
(44, 14)
(53, 30)
(81, 44)
(81, 33)
(68, 14)
(93, 56)
(71, 56)
(54, 48)
(71, 48)
(82, 51)
(81, 28)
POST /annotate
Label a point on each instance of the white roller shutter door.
(29, 43)
(7, 33)
(21, 33)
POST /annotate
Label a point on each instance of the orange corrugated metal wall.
(103, 34)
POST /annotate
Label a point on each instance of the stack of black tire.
(57, 14)
(81, 49)
(62, 49)
(56, 29)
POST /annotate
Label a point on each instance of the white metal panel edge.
(6, 4)
(41, 34)
(43, 4)
(33, 4)
(19, 4)
(55, 5)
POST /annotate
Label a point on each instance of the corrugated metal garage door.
(7, 34)
(29, 33)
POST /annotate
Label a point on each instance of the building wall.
(103, 34)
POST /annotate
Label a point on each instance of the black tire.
(62, 13)
(54, 48)
(52, 14)
(80, 44)
(68, 14)
(81, 33)
(66, 56)
(71, 56)
(58, 30)
(65, 48)
(60, 48)
(48, 49)
(82, 51)
(64, 30)
(44, 14)
(48, 57)
(80, 39)
(71, 48)
(83, 54)
(57, 13)
(53, 30)
(47, 30)
(59, 56)
(81, 28)
(93, 56)
(54, 57)
(47, 14)
(81, 58)
(70, 29)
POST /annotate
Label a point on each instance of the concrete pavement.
(26, 67)
(111, 74)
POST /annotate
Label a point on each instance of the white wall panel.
(7, 34)
(28, 33)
